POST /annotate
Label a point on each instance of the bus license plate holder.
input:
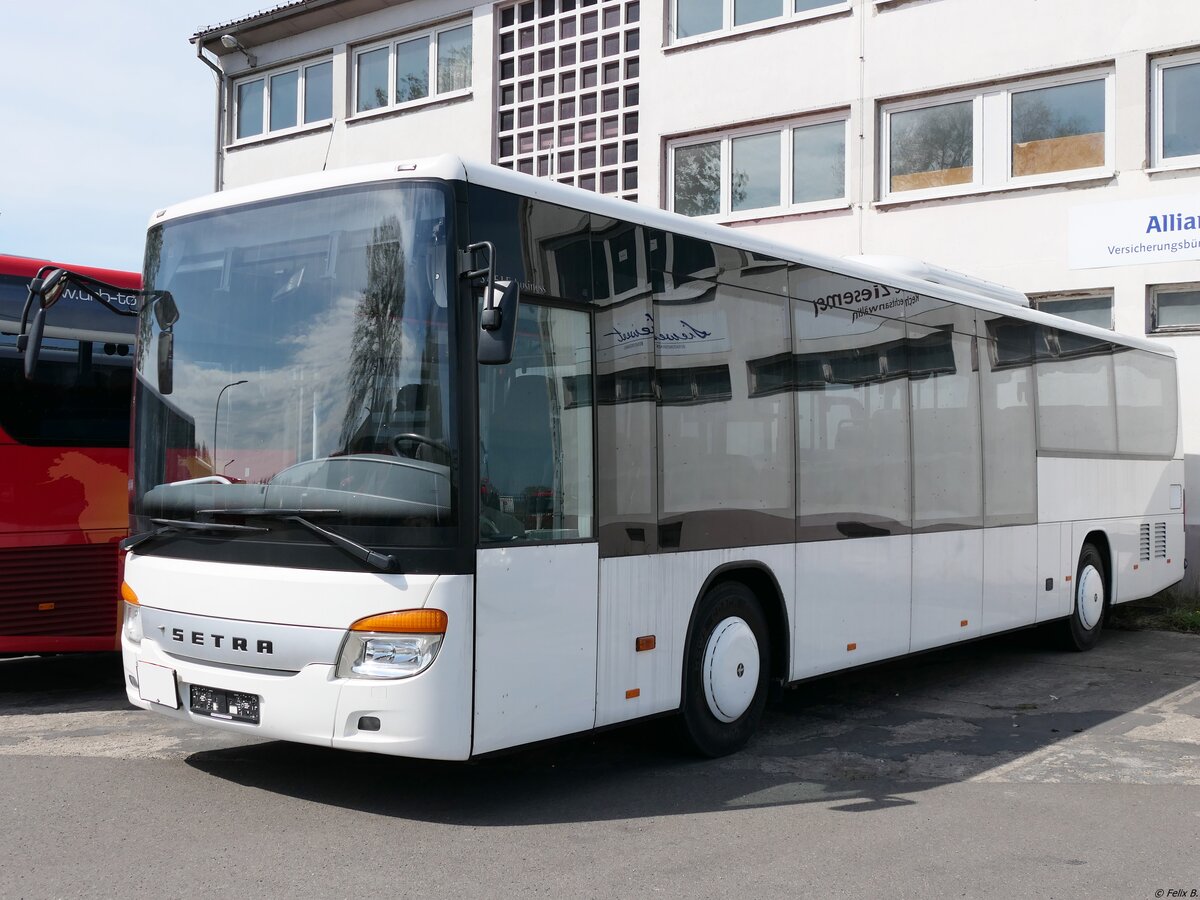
(157, 684)
(220, 704)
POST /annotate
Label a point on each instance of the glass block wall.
(567, 92)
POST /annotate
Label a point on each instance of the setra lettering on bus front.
(201, 639)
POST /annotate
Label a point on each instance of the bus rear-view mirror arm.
(498, 318)
(46, 289)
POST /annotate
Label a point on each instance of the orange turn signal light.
(405, 621)
(645, 642)
(128, 595)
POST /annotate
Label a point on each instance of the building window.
(791, 168)
(696, 18)
(1042, 131)
(568, 92)
(283, 100)
(1177, 111)
(1091, 309)
(413, 68)
(1175, 307)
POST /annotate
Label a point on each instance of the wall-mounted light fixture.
(232, 43)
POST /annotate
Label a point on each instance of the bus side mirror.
(166, 313)
(498, 320)
(45, 290)
(33, 344)
(496, 343)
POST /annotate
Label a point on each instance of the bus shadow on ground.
(862, 741)
(66, 683)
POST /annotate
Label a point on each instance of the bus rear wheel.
(1091, 601)
(725, 671)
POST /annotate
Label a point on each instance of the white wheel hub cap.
(730, 669)
(1089, 597)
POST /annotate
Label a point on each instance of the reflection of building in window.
(675, 387)
(932, 354)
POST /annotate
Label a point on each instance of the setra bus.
(493, 460)
(64, 454)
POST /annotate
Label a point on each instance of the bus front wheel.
(725, 671)
(1091, 601)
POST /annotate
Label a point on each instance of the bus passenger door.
(537, 563)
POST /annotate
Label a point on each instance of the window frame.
(391, 43)
(992, 165)
(1157, 114)
(1046, 302)
(789, 16)
(265, 76)
(1153, 292)
(785, 130)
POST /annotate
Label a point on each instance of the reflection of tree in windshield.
(378, 326)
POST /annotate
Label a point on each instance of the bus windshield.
(310, 370)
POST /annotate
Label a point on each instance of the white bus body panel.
(947, 589)
(535, 660)
(853, 592)
(1117, 497)
(1010, 570)
(655, 595)
(427, 715)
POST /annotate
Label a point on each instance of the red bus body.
(64, 467)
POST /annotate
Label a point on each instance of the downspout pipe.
(219, 173)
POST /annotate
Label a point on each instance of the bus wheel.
(1091, 601)
(725, 671)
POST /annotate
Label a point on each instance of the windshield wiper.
(169, 526)
(385, 562)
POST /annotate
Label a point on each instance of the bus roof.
(27, 267)
(453, 168)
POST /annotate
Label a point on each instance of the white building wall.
(854, 58)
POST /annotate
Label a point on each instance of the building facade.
(1049, 145)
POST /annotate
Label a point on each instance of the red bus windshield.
(64, 464)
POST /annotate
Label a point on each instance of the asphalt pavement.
(1002, 768)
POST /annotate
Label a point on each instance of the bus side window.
(535, 426)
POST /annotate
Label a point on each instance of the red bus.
(64, 464)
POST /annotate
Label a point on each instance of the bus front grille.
(60, 591)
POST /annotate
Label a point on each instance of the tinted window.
(1074, 393)
(1009, 442)
(944, 389)
(852, 407)
(1146, 402)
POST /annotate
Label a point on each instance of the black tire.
(703, 730)
(1090, 601)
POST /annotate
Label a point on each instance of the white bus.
(493, 460)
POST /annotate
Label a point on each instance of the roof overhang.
(284, 21)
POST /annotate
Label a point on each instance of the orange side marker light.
(962, 624)
(645, 642)
(45, 607)
(633, 693)
(851, 646)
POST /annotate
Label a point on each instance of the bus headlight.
(132, 625)
(392, 645)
